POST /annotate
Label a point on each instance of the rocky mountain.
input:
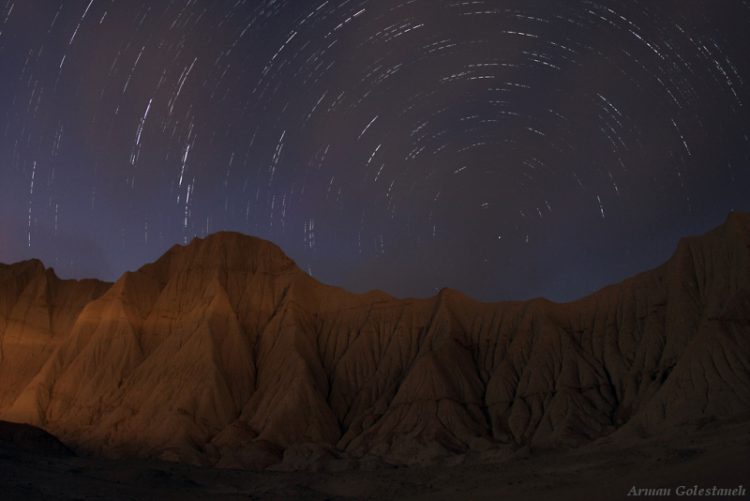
(223, 352)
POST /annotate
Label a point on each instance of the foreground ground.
(715, 454)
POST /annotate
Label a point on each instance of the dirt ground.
(716, 455)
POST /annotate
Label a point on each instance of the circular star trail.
(509, 149)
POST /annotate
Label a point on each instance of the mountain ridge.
(224, 352)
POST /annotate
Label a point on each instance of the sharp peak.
(225, 238)
(737, 217)
(225, 249)
(28, 262)
(32, 265)
(735, 225)
(227, 235)
(35, 267)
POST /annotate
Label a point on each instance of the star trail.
(506, 148)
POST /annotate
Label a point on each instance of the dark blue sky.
(509, 149)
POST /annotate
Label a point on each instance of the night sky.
(506, 148)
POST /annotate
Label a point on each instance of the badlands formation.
(224, 353)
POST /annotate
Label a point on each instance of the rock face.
(224, 352)
(37, 313)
